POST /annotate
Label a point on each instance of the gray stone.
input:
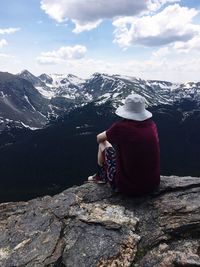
(90, 226)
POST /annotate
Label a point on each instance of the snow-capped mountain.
(20, 103)
(55, 85)
(45, 78)
(67, 86)
(104, 87)
(101, 87)
(49, 96)
(25, 74)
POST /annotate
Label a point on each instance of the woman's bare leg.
(102, 146)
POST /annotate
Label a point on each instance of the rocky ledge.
(89, 226)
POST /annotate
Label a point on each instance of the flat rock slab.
(90, 226)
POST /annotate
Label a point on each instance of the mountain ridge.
(20, 99)
(62, 93)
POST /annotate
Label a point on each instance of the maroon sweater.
(138, 155)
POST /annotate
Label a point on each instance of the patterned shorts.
(108, 170)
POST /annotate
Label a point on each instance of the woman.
(129, 154)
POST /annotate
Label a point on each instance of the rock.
(90, 226)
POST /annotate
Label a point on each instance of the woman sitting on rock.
(129, 154)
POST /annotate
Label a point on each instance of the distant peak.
(24, 72)
(45, 78)
(71, 75)
(44, 75)
(98, 74)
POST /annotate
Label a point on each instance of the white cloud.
(63, 53)
(85, 26)
(172, 24)
(2, 55)
(154, 5)
(191, 45)
(163, 51)
(43, 60)
(3, 43)
(178, 69)
(9, 30)
(88, 14)
(93, 10)
(166, 64)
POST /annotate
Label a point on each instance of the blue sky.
(150, 39)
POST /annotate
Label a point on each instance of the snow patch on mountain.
(29, 127)
(26, 98)
(3, 95)
(74, 79)
(46, 92)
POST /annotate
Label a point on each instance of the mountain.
(27, 101)
(55, 85)
(45, 78)
(20, 103)
(63, 92)
(59, 85)
(116, 87)
(25, 74)
(56, 94)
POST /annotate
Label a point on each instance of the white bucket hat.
(134, 108)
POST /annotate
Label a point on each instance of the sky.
(149, 39)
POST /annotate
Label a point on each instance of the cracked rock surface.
(90, 226)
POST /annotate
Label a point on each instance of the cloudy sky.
(151, 39)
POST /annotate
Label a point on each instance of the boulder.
(91, 226)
